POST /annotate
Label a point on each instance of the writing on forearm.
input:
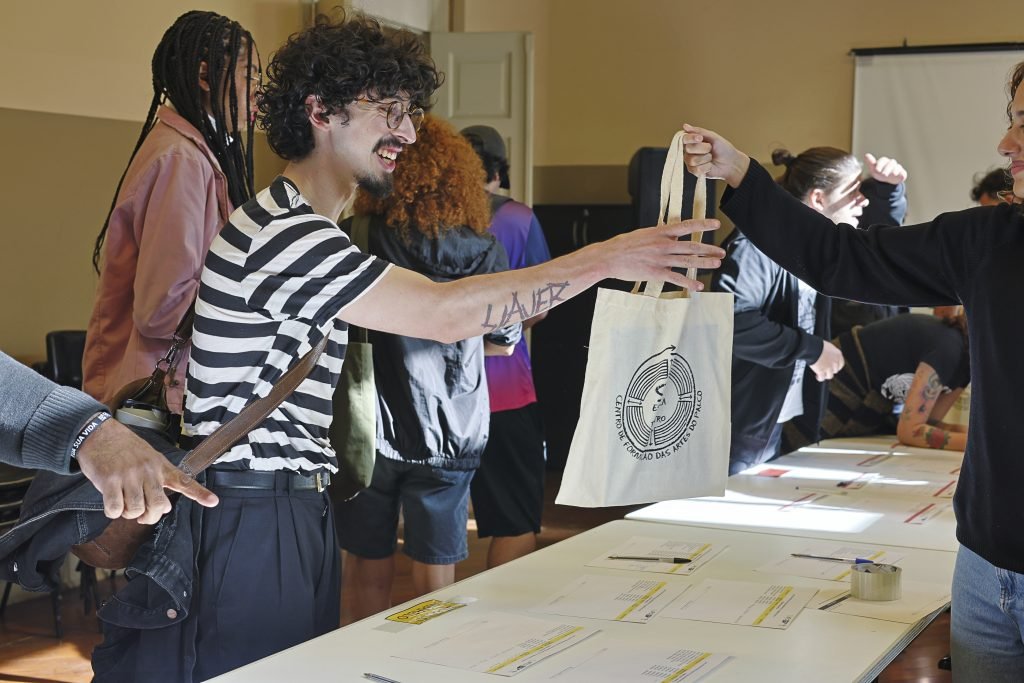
(523, 308)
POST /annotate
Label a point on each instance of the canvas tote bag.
(654, 418)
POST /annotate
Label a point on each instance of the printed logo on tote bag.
(661, 407)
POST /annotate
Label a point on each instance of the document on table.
(906, 486)
(698, 553)
(919, 599)
(646, 663)
(923, 513)
(889, 463)
(828, 569)
(500, 643)
(618, 598)
(423, 612)
(741, 602)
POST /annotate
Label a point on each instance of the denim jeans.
(987, 631)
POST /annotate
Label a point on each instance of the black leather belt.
(270, 481)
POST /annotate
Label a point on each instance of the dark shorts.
(508, 489)
(434, 504)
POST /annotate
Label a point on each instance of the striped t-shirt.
(273, 284)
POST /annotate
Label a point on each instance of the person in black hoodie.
(781, 352)
(433, 408)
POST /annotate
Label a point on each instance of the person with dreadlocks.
(191, 166)
(342, 102)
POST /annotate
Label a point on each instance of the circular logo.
(659, 403)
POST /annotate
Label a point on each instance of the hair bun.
(782, 157)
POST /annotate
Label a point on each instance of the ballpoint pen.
(379, 678)
(827, 558)
(673, 560)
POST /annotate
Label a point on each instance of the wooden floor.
(29, 652)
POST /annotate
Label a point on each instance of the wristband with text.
(90, 427)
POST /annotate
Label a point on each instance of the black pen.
(672, 560)
(379, 678)
(830, 558)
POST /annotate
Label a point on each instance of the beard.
(378, 187)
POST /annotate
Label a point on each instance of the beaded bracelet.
(90, 426)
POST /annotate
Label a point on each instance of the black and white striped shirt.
(274, 282)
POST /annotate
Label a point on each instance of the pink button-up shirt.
(172, 204)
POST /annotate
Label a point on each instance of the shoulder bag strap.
(228, 434)
(360, 238)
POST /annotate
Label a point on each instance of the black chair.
(14, 483)
(63, 365)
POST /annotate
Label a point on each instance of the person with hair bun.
(781, 350)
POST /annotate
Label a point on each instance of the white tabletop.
(817, 646)
(908, 503)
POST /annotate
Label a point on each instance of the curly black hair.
(339, 62)
(992, 183)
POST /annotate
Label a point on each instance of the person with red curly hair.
(433, 409)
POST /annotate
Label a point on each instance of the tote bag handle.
(670, 208)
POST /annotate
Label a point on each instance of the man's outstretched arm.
(404, 302)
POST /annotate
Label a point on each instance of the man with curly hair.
(342, 101)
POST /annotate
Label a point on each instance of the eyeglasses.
(395, 112)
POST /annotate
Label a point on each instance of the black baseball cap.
(491, 142)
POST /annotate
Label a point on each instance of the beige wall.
(74, 89)
(614, 76)
(92, 58)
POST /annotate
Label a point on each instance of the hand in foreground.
(886, 169)
(829, 362)
(706, 153)
(651, 253)
(132, 476)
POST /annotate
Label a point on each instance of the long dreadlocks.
(193, 38)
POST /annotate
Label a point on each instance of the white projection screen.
(941, 113)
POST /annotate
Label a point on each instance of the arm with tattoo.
(916, 426)
(403, 302)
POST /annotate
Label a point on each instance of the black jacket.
(970, 257)
(767, 343)
(887, 205)
(62, 510)
(432, 403)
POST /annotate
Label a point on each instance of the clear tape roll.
(875, 582)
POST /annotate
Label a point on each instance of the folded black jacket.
(60, 511)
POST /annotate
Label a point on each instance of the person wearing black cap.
(508, 487)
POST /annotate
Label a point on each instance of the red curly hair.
(437, 185)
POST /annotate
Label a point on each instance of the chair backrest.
(64, 349)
